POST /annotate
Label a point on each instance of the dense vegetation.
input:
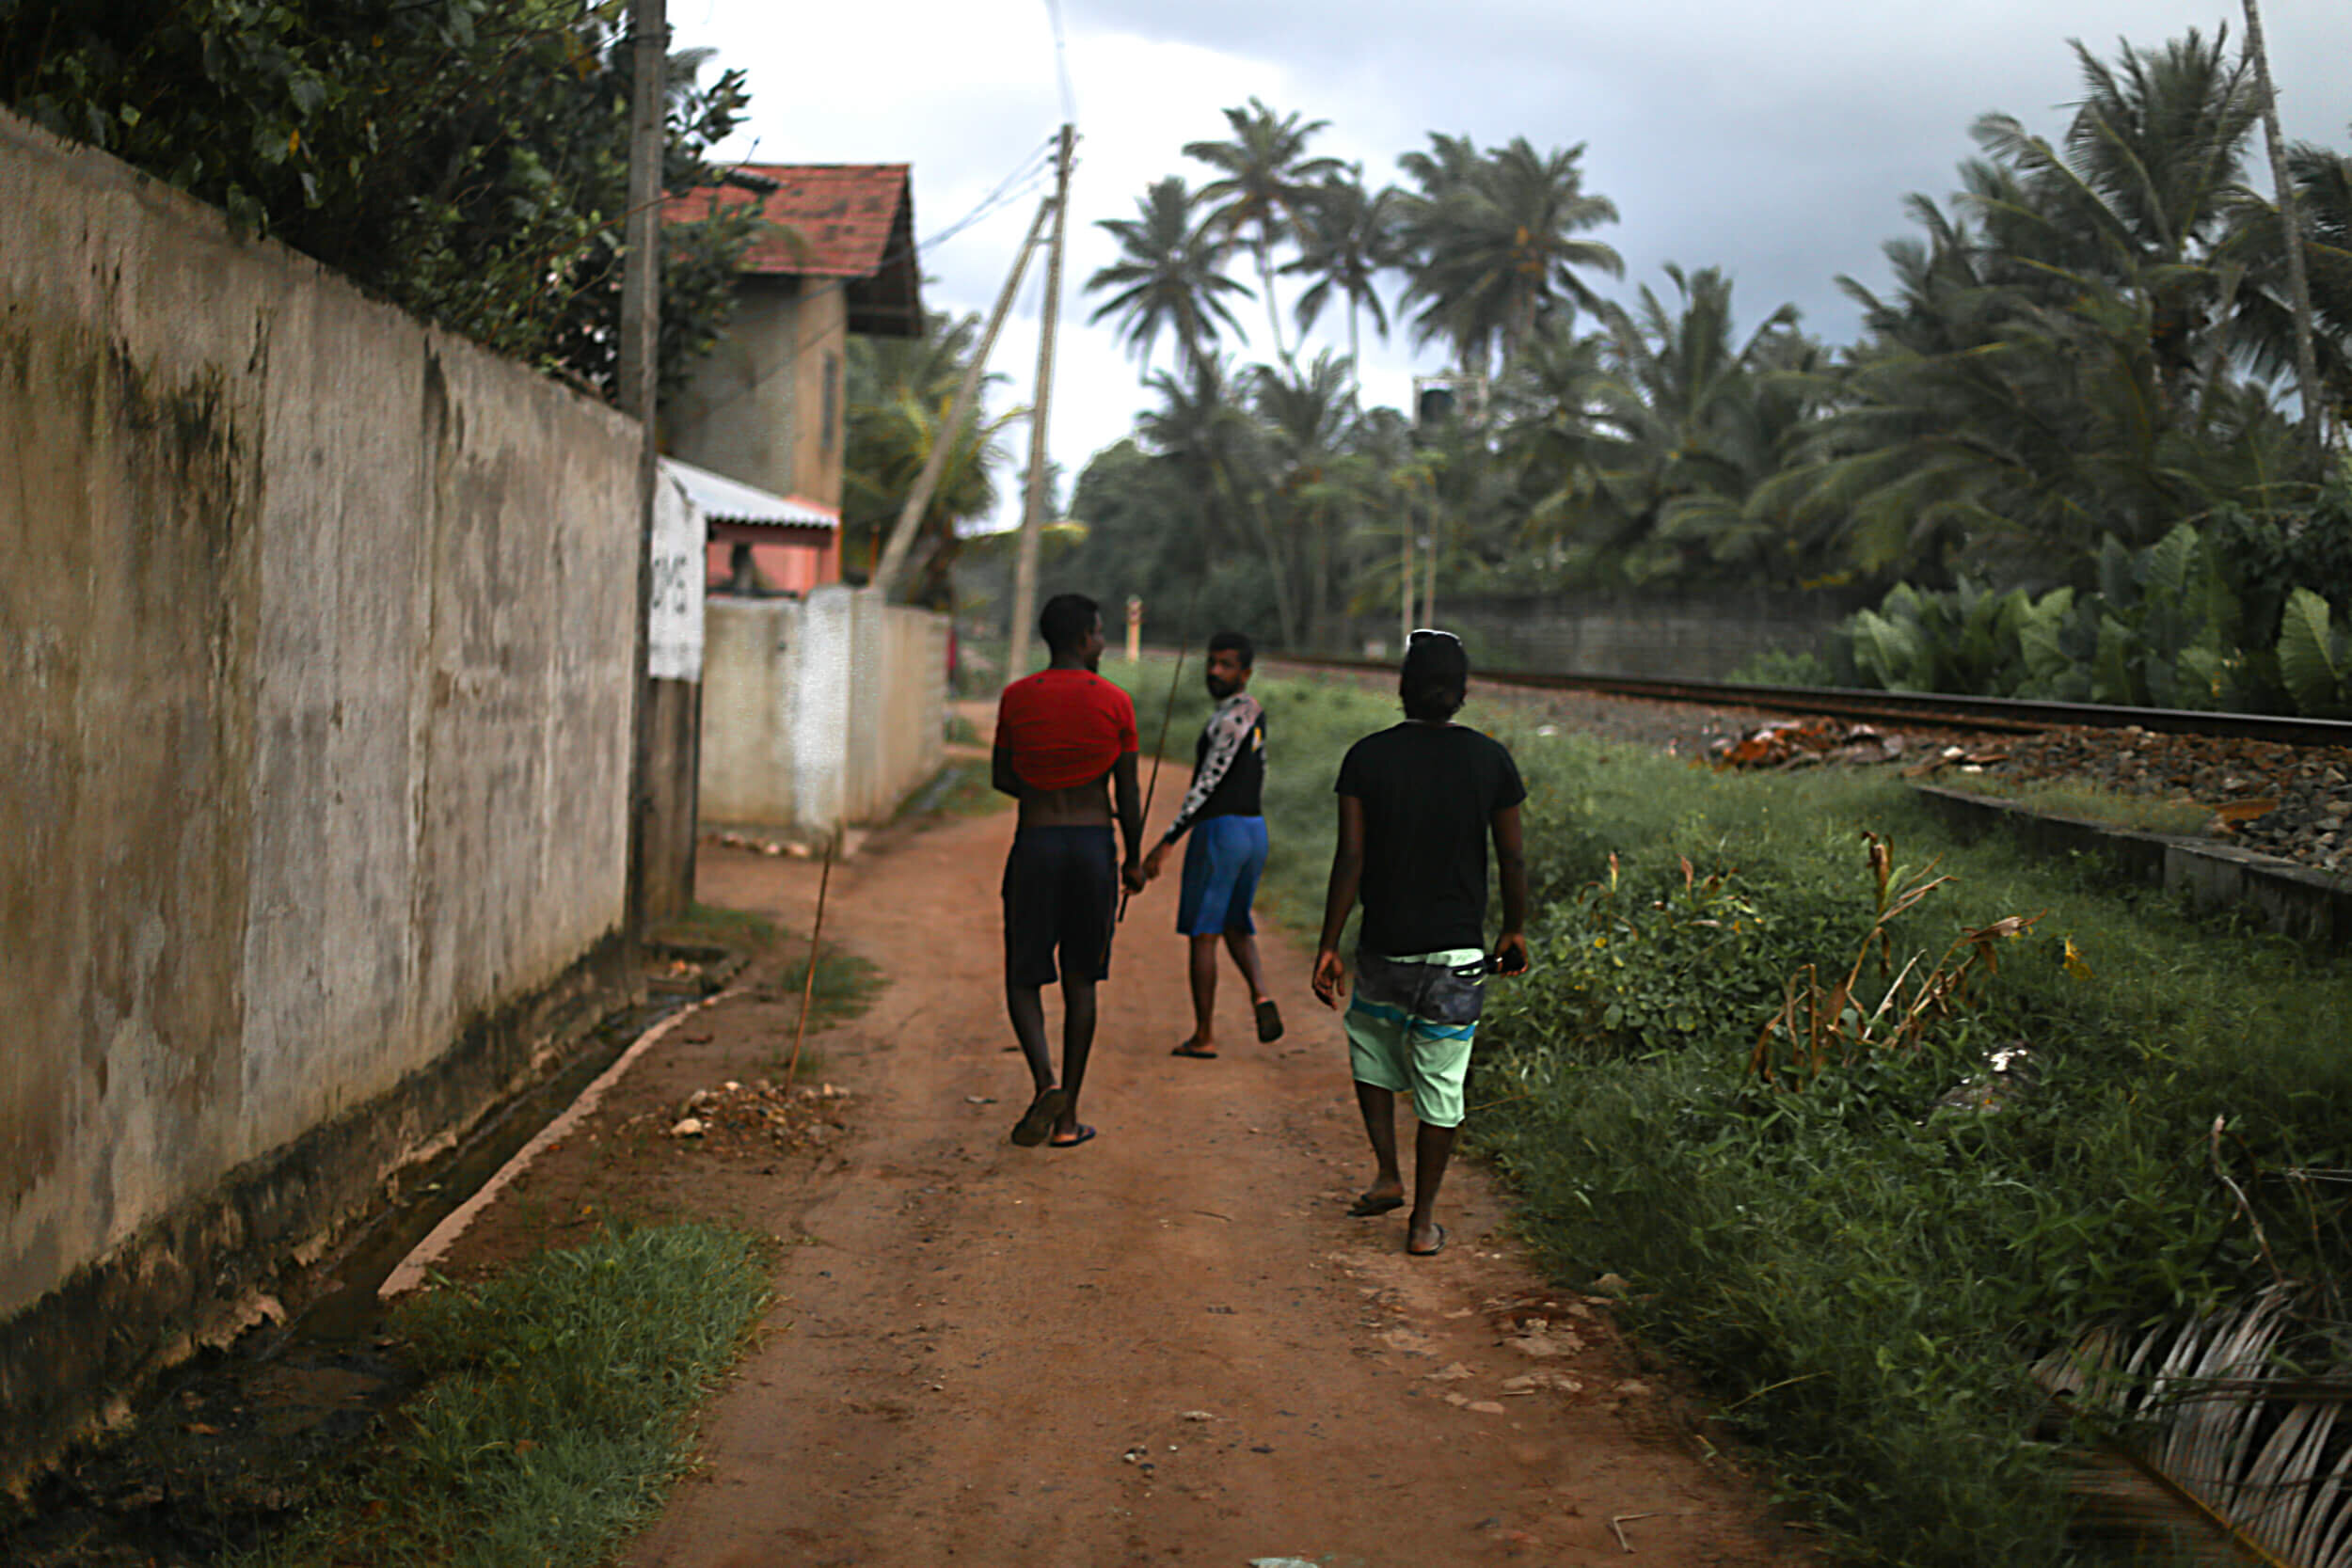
(1865, 1247)
(2091, 342)
(468, 159)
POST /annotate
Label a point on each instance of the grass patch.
(558, 1411)
(846, 985)
(959, 790)
(2140, 814)
(708, 923)
(1861, 1270)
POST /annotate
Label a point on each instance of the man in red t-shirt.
(1061, 735)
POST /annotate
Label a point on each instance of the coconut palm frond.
(2213, 1411)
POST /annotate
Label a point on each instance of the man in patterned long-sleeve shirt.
(1223, 812)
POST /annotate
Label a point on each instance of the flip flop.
(1085, 1135)
(1366, 1206)
(1038, 1120)
(1191, 1049)
(1428, 1252)
(1269, 1021)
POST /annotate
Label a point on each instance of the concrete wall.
(819, 711)
(1687, 636)
(319, 630)
(769, 405)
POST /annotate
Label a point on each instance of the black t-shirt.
(1429, 792)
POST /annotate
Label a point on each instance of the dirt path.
(1169, 1346)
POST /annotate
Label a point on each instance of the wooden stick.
(808, 986)
(1617, 1523)
(1159, 752)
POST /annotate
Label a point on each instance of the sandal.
(1269, 1021)
(1038, 1120)
(1192, 1047)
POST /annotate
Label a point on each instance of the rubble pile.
(2292, 801)
(758, 1114)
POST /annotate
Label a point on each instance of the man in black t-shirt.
(1418, 806)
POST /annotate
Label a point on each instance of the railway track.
(2005, 714)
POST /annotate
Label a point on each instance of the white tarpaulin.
(674, 629)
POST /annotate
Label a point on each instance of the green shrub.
(1784, 667)
(1862, 1272)
(2211, 617)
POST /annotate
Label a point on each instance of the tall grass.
(1863, 1267)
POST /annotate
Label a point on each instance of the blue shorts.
(1221, 867)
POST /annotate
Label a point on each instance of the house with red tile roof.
(768, 406)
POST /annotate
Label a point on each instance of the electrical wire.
(1026, 176)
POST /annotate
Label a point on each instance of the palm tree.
(1264, 181)
(900, 394)
(1496, 252)
(1700, 423)
(2138, 196)
(2262, 314)
(1347, 237)
(1167, 275)
(1311, 485)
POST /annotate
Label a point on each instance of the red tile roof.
(833, 221)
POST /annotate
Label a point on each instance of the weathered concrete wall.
(767, 405)
(898, 707)
(319, 628)
(819, 711)
(2292, 900)
(1683, 636)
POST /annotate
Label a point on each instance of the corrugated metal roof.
(730, 500)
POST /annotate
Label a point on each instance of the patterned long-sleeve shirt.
(1227, 767)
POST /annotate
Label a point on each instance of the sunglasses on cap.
(1420, 632)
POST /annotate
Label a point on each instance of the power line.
(1025, 177)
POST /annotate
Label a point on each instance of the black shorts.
(1061, 891)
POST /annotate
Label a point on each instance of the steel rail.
(1913, 707)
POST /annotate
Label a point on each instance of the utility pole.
(1429, 563)
(1405, 582)
(641, 322)
(1033, 513)
(2298, 281)
(951, 430)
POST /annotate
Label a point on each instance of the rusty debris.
(1800, 742)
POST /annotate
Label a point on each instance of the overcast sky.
(1774, 142)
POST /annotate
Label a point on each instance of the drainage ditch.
(226, 1446)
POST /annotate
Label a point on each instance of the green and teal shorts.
(1410, 1025)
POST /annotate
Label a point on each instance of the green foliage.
(2086, 341)
(558, 1409)
(2201, 619)
(1863, 1271)
(466, 158)
(1784, 667)
(900, 393)
(2314, 658)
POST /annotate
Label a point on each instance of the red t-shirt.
(1064, 727)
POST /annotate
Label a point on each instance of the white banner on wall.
(674, 627)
